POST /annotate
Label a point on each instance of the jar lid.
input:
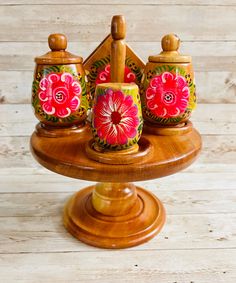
(170, 44)
(58, 54)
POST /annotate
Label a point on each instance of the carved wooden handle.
(118, 48)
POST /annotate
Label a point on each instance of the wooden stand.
(115, 214)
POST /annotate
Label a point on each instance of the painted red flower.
(104, 76)
(59, 94)
(115, 117)
(167, 95)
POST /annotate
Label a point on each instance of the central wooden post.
(118, 49)
(114, 199)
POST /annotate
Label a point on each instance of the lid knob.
(170, 42)
(57, 42)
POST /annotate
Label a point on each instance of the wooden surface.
(118, 48)
(111, 225)
(113, 215)
(67, 156)
(198, 242)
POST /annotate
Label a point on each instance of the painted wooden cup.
(59, 95)
(168, 87)
(117, 116)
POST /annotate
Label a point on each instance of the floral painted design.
(59, 94)
(167, 95)
(68, 94)
(104, 75)
(115, 118)
(99, 72)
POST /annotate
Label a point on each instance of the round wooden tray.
(67, 156)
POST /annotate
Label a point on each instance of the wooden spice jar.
(117, 116)
(168, 87)
(59, 96)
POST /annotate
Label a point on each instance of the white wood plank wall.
(198, 242)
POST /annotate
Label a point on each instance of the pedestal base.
(144, 220)
(113, 216)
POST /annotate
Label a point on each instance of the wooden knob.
(170, 42)
(118, 27)
(57, 42)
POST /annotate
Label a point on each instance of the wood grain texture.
(102, 216)
(176, 202)
(53, 17)
(212, 87)
(66, 156)
(35, 180)
(36, 248)
(37, 234)
(118, 48)
(210, 119)
(20, 55)
(128, 266)
(15, 151)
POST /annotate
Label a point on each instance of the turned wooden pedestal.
(114, 213)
